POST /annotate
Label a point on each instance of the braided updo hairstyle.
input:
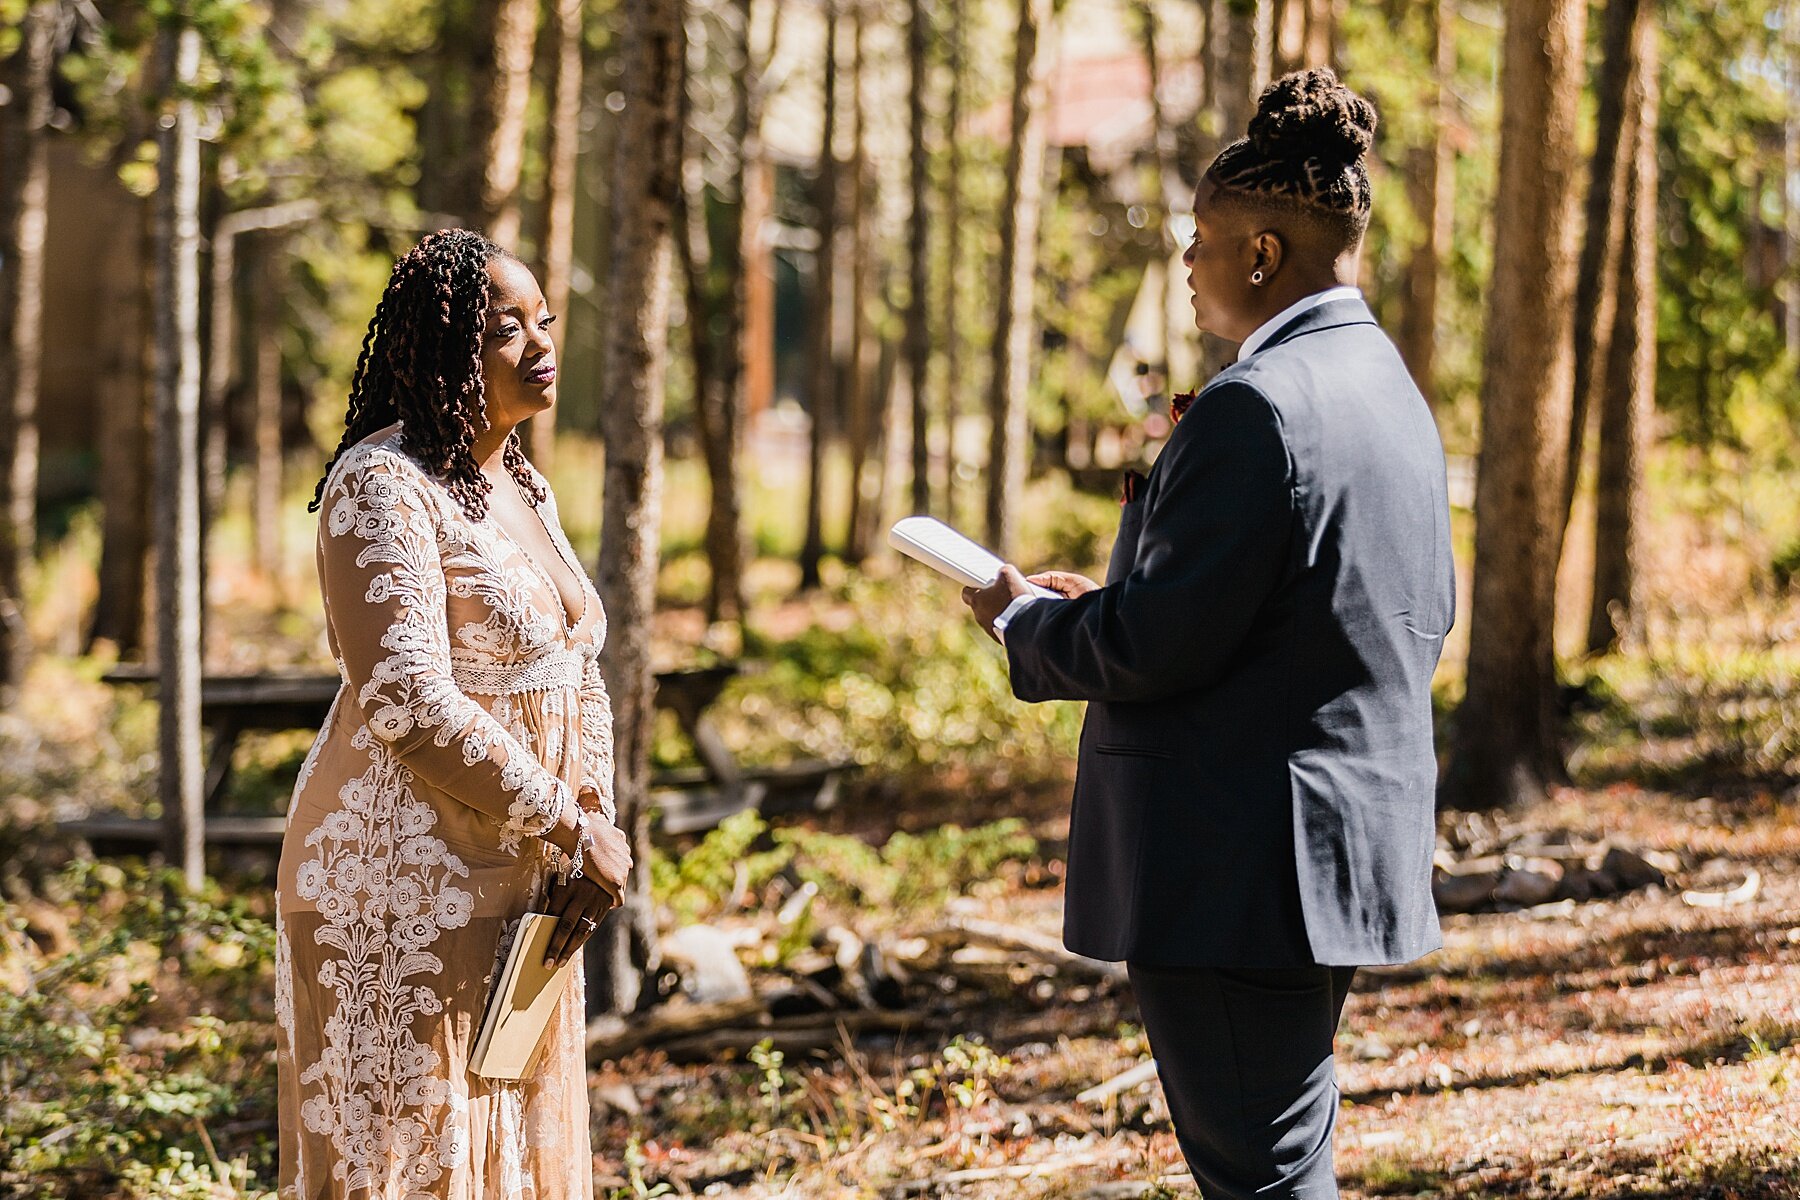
(421, 366)
(1304, 152)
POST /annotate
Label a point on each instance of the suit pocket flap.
(1125, 751)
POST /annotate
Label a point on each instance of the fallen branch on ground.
(1741, 894)
(1025, 941)
(1141, 1074)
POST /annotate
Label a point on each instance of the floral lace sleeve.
(597, 737)
(385, 599)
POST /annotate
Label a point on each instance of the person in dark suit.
(1253, 814)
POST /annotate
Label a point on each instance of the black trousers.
(1246, 1063)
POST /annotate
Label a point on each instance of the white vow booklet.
(930, 541)
(519, 1008)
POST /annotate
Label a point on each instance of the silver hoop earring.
(1256, 277)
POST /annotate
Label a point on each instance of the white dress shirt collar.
(1267, 329)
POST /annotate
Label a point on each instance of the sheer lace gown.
(470, 714)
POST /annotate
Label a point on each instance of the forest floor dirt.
(1635, 1047)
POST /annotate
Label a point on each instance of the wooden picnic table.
(687, 801)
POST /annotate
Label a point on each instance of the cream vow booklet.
(519, 1008)
(930, 541)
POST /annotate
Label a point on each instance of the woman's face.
(518, 359)
(1219, 263)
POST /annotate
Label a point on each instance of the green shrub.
(909, 871)
(113, 1066)
(911, 687)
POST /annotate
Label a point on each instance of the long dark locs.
(420, 365)
(1305, 150)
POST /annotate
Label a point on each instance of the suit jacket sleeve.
(1213, 548)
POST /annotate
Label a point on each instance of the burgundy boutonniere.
(1178, 404)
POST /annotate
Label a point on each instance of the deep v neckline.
(543, 572)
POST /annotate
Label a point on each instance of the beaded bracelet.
(584, 840)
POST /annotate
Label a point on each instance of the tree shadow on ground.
(1626, 1175)
(1718, 1049)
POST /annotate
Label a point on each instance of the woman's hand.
(1066, 582)
(614, 862)
(580, 904)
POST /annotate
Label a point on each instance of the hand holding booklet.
(944, 550)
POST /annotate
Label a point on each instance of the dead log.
(790, 1035)
(1054, 1166)
(974, 932)
(613, 1036)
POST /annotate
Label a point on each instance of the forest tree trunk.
(125, 446)
(918, 326)
(1321, 34)
(266, 498)
(1597, 276)
(558, 251)
(24, 215)
(1506, 750)
(1009, 442)
(715, 327)
(824, 324)
(1431, 187)
(503, 121)
(726, 549)
(646, 184)
(177, 491)
(1790, 192)
(1627, 402)
(1231, 68)
(866, 463)
(951, 402)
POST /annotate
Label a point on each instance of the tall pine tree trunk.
(866, 462)
(726, 549)
(1596, 280)
(503, 123)
(1014, 328)
(24, 213)
(1171, 194)
(918, 327)
(1262, 61)
(715, 327)
(1431, 187)
(177, 491)
(824, 323)
(1790, 193)
(124, 369)
(1321, 34)
(558, 251)
(1627, 401)
(951, 403)
(221, 357)
(885, 450)
(215, 395)
(266, 493)
(646, 185)
(1506, 749)
(1231, 67)
(1290, 35)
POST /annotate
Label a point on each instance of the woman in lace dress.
(464, 775)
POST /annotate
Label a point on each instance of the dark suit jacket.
(1256, 778)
